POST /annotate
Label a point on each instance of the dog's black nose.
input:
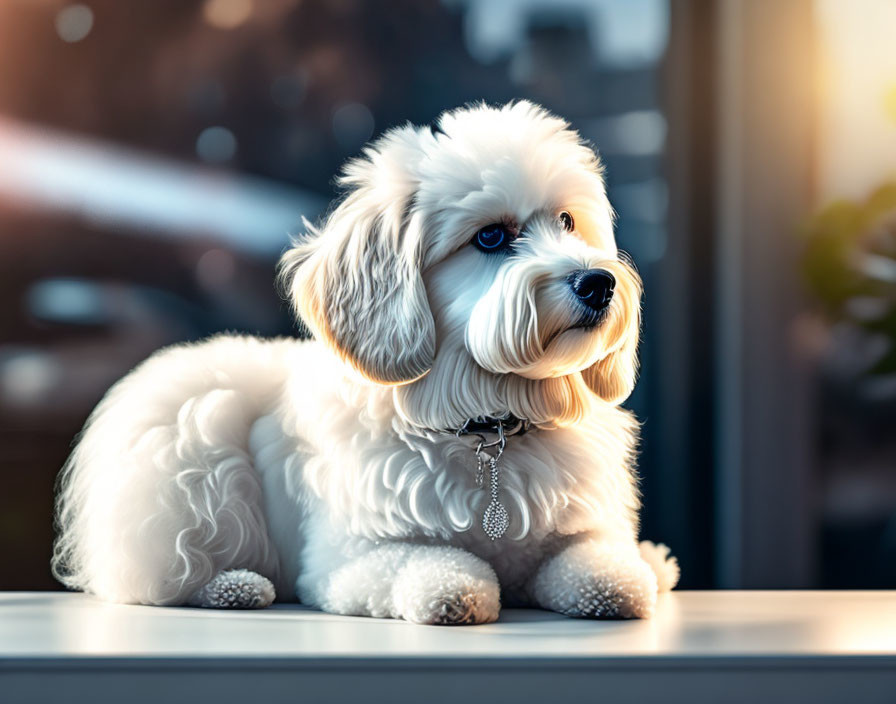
(593, 287)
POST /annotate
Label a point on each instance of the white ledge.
(700, 646)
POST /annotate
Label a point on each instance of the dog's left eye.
(492, 238)
(566, 221)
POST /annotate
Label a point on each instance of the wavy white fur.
(321, 465)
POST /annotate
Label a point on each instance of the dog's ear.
(356, 282)
(613, 377)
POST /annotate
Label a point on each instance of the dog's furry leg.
(419, 583)
(235, 589)
(596, 579)
(161, 493)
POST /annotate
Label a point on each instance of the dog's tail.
(664, 565)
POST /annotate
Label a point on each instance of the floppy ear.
(356, 282)
(613, 377)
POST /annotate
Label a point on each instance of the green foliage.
(849, 265)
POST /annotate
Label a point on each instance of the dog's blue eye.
(492, 238)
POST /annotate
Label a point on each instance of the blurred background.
(155, 156)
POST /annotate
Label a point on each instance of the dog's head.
(487, 236)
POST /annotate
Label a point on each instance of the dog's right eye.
(492, 238)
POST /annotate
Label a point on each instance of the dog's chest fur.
(338, 452)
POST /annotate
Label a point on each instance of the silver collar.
(502, 426)
(495, 519)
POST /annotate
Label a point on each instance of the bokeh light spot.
(71, 301)
(216, 145)
(28, 377)
(226, 14)
(74, 22)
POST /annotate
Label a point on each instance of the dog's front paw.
(590, 580)
(447, 586)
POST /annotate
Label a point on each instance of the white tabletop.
(703, 624)
(783, 633)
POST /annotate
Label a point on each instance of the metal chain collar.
(495, 520)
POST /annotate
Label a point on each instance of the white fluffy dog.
(466, 289)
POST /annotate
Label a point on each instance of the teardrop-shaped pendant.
(495, 520)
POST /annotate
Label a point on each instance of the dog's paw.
(235, 589)
(447, 586)
(593, 581)
(664, 565)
